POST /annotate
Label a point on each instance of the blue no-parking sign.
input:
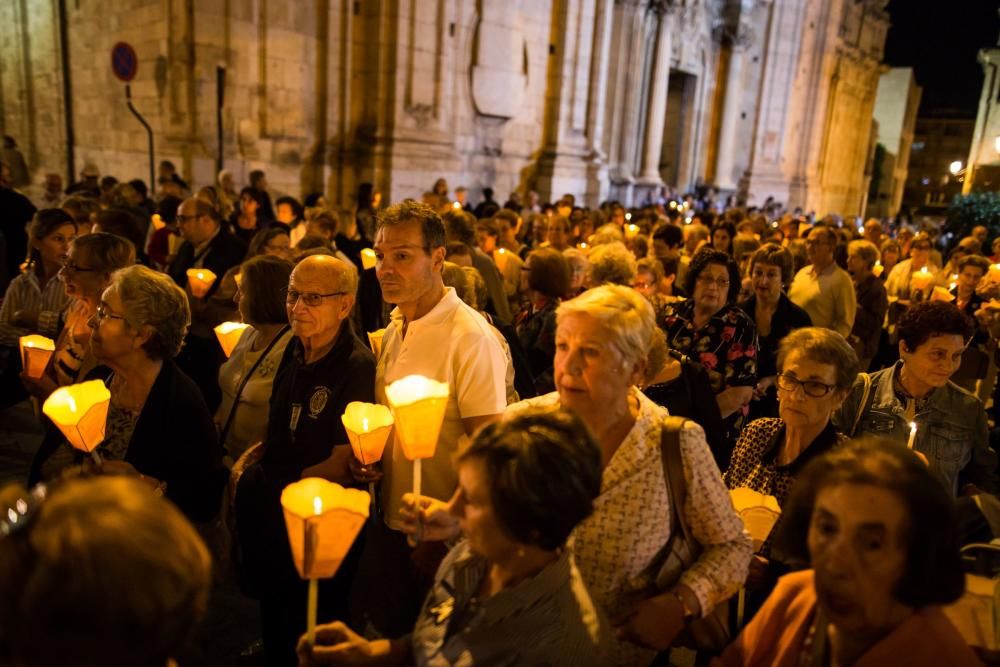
(124, 62)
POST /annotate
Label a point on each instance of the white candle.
(913, 435)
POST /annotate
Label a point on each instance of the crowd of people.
(613, 374)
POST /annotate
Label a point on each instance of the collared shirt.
(308, 399)
(25, 293)
(619, 546)
(452, 343)
(201, 249)
(827, 296)
(548, 619)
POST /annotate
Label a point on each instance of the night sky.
(939, 39)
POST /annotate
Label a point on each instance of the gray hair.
(609, 233)
(151, 299)
(611, 263)
(623, 311)
(866, 250)
(823, 346)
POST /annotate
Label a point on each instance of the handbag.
(711, 632)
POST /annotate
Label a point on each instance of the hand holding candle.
(36, 351)
(323, 519)
(368, 426)
(200, 281)
(418, 406)
(229, 334)
(81, 413)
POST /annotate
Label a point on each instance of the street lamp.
(955, 167)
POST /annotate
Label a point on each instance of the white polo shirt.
(454, 344)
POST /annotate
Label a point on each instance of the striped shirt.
(547, 619)
(25, 293)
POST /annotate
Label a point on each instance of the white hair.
(623, 311)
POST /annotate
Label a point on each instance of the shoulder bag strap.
(243, 383)
(673, 475)
(863, 406)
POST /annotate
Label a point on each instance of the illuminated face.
(796, 406)
(969, 279)
(472, 506)
(322, 318)
(766, 281)
(711, 289)
(589, 371)
(54, 247)
(645, 283)
(81, 279)
(935, 361)
(857, 548)
(113, 337)
(404, 268)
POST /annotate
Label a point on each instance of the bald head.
(328, 272)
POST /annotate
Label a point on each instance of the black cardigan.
(174, 441)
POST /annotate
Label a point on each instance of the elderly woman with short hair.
(610, 263)
(510, 591)
(158, 425)
(816, 369)
(711, 329)
(245, 378)
(775, 316)
(603, 340)
(881, 538)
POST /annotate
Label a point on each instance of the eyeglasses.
(104, 313)
(311, 299)
(70, 267)
(182, 219)
(812, 388)
(721, 283)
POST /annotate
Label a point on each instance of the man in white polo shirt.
(431, 333)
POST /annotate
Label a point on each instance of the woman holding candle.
(510, 591)
(816, 369)
(158, 425)
(913, 278)
(951, 423)
(86, 273)
(603, 339)
(245, 378)
(98, 572)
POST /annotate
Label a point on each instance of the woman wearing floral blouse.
(603, 338)
(710, 329)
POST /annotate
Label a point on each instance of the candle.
(200, 281)
(229, 334)
(913, 435)
(994, 273)
(36, 351)
(456, 205)
(81, 413)
(368, 258)
(877, 269)
(158, 223)
(501, 256)
(322, 519)
(631, 231)
(941, 294)
(921, 280)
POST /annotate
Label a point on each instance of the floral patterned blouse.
(618, 546)
(726, 346)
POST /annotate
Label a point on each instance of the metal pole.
(220, 89)
(149, 131)
(67, 93)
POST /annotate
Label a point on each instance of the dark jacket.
(174, 441)
(787, 318)
(872, 306)
(224, 252)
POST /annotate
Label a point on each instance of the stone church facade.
(599, 98)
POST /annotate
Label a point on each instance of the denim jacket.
(951, 429)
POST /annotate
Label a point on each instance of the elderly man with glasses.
(324, 367)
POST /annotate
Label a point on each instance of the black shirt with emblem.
(307, 401)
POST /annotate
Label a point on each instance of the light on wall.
(955, 167)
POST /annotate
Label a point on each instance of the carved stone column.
(731, 111)
(656, 117)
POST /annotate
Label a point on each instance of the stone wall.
(598, 98)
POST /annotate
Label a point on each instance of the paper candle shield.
(941, 294)
(631, 231)
(200, 281)
(81, 412)
(229, 334)
(368, 258)
(375, 340)
(321, 539)
(500, 258)
(418, 406)
(368, 426)
(922, 279)
(35, 354)
(878, 269)
(758, 511)
(158, 223)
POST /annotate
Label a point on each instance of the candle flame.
(364, 424)
(501, 251)
(72, 403)
(317, 505)
(456, 205)
(913, 427)
(201, 275)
